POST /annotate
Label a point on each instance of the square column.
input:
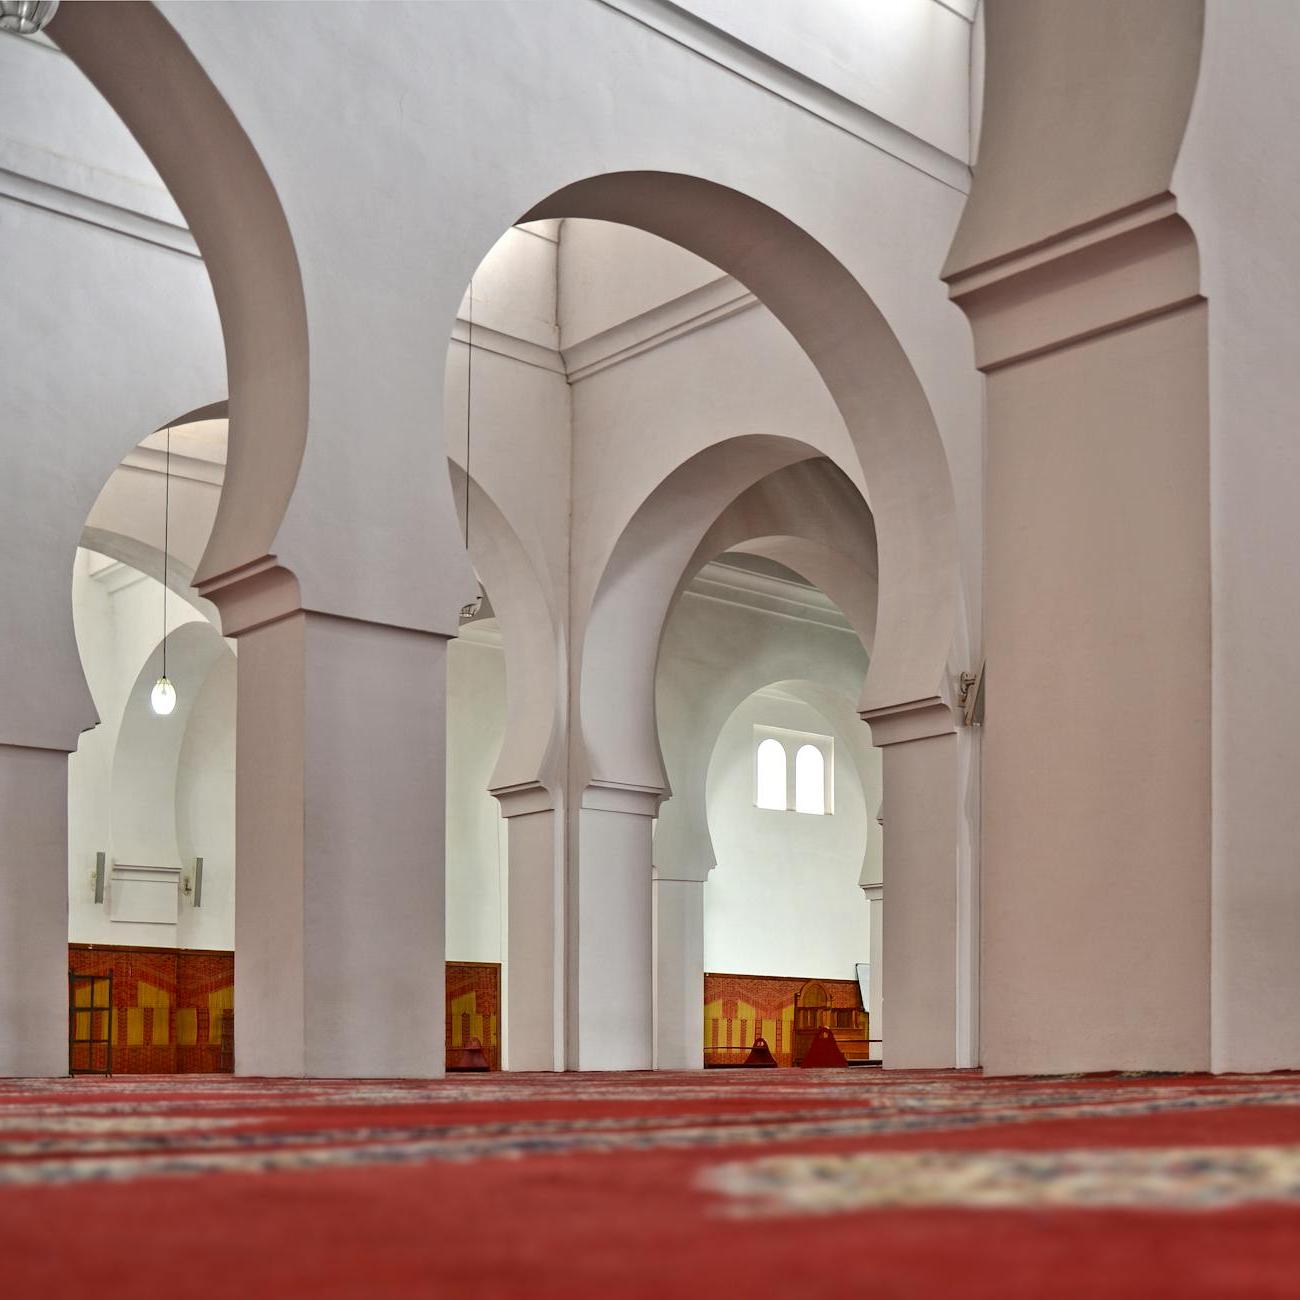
(534, 1037)
(1097, 787)
(340, 788)
(611, 967)
(33, 911)
(679, 973)
(922, 863)
(876, 948)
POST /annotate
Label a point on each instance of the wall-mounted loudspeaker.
(198, 881)
(99, 877)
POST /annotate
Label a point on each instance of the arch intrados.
(636, 590)
(529, 749)
(149, 77)
(148, 559)
(867, 373)
(818, 696)
(192, 647)
(812, 519)
(219, 410)
(147, 745)
(683, 824)
(813, 499)
(832, 572)
(133, 550)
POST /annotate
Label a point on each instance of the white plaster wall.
(906, 60)
(127, 517)
(90, 768)
(519, 449)
(741, 375)
(205, 809)
(520, 413)
(113, 280)
(609, 273)
(57, 129)
(1237, 181)
(785, 897)
(705, 641)
(724, 667)
(515, 285)
(159, 815)
(715, 654)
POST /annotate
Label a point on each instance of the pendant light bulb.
(163, 697)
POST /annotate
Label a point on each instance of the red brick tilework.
(474, 1009)
(167, 1005)
(740, 1008)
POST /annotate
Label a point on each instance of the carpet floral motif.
(1191, 1178)
(82, 1131)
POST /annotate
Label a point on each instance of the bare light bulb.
(163, 697)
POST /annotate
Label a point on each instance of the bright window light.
(769, 775)
(809, 780)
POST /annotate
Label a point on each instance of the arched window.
(769, 775)
(809, 780)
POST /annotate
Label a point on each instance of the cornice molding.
(1118, 271)
(767, 595)
(253, 596)
(38, 178)
(729, 52)
(34, 193)
(263, 592)
(476, 634)
(523, 799)
(117, 576)
(694, 310)
(980, 275)
(710, 303)
(718, 300)
(192, 468)
(618, 797)
(512, 346)
(681, 874)
(897, 724)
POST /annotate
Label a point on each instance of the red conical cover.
(824, 1051)
(472, 1057)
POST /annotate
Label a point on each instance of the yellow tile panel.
(187, 1026)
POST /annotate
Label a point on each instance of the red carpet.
(806, 1183)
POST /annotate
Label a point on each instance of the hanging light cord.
(469, 400)
(167, 519)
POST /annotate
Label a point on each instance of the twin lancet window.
(807, 790)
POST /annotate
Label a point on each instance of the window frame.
(791, 742)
